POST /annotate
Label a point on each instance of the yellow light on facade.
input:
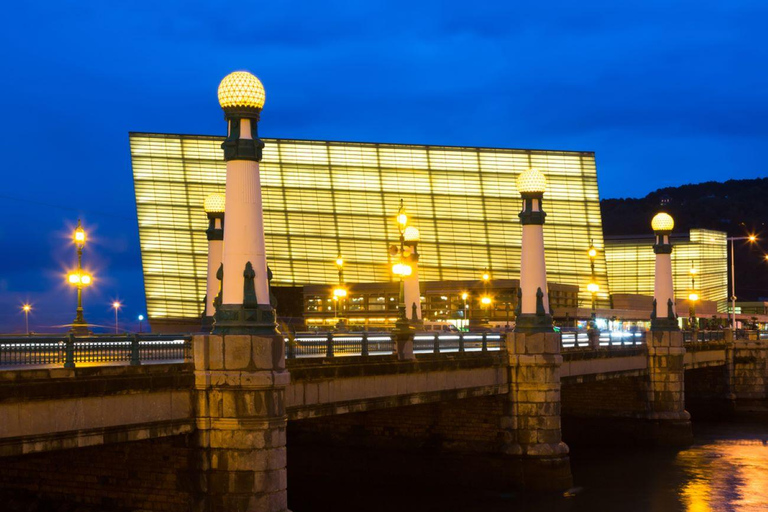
(532, 181)
(693, 297)
(339, 261)
(593, 288)
(241, 90)
(339, 292)
(662, 222)
(214, 203)
(411, 234)
(401, 269)
(485, 300)
(694, 271)
(74, 278)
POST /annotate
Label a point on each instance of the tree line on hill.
(737, 207)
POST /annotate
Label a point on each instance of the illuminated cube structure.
(323, 198)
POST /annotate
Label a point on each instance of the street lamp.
(116, 306)
(593, 288)
(751, 239)
(141, 319)
(79, 279)
(26, 308)
(338, 297)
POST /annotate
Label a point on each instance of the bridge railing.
(383, 343)
(702, 336)
(69, 350)
(571, 340)
(747, 334)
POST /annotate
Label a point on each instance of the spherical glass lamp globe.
(662, 222)
(241, 90)
(214, 203)
(532, 181)
(411, 234)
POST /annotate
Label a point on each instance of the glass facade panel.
(326, 198)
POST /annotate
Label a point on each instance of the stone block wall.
(466, 425)
(153, 475)
(750, 370)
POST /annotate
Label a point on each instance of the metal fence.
(753, 335)
(607, 339)
(70, 350)
(704, 336)
(383, 343)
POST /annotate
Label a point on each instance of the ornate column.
(531, 421)
(245, 306)
(670, 423)
(240, 376)
(411, 288)
(214, 209)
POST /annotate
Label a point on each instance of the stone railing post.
(669, 422)
(531, 420)
(404, 344)
(240, 383)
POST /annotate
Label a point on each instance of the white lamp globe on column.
(245, 303)
(663, 316)
(214, 206)
(533, 310)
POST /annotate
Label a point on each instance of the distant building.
(324, 198)
(374, 305)
(630, 261)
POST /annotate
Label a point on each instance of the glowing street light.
(26, 308)
(141, 319)
(116, 306)
(79, 279)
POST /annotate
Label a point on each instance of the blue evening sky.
(665, 92)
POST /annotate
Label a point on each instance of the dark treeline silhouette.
(738, 207)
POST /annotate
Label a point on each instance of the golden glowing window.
(323, 198)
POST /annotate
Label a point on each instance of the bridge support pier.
(747, 366)
(531, 420)
(240, 383)
(670, 423)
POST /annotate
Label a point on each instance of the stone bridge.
(231, 405)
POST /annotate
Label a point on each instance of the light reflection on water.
(725, 474)
(725, 470)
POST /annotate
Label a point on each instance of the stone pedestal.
(240, 383)
(669, 422)
(531, 421)
(404, 342)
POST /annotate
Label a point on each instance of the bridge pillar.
(531, 420)
(670, 423)
(240, 383)
(747, 364)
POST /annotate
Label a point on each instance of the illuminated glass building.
(631, 264)
(323, 198)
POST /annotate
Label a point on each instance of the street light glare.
(74, 278)
(340, 261)
(402, 219)
(26, 308)
(593, 288)
(141, 317)
(116, 305)
(486, 300)
(752, 238)
(486, 276)
(693, 297)
(465, 295)
(592, 252)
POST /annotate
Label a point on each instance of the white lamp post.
(533, 311)
(663, 316)
(245, 307)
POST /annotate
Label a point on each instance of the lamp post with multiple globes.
(79, 279)
(402, 269)
(340, 295)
